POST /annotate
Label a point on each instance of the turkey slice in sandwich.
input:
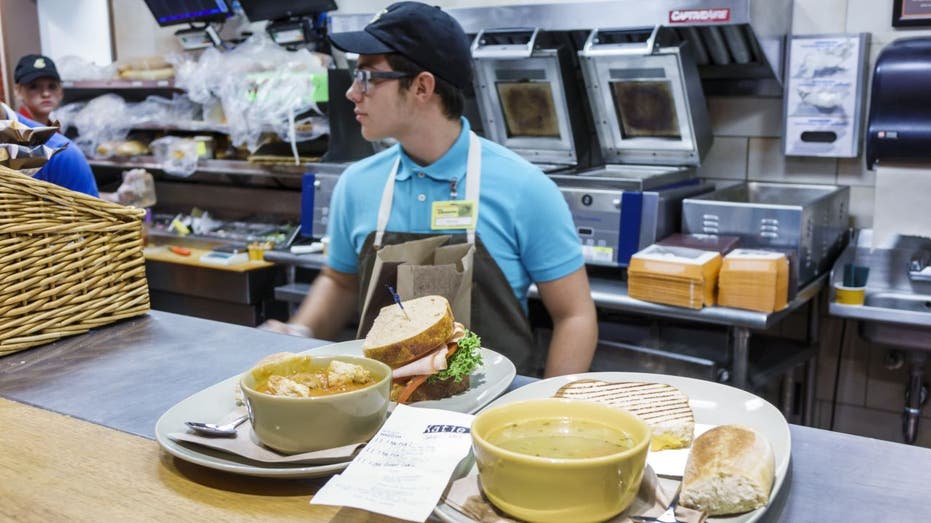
(431, 355)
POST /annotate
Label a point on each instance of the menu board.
(824, 95)
(911, 13)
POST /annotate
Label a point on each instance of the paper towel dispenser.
(899, 126)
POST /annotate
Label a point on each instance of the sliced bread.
(400, 336)
(665, 408)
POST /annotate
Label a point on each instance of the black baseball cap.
(425, 34)
(33, 66)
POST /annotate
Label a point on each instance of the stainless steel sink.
(904, 302)
(896, 311)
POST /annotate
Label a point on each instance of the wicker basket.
(68, 262)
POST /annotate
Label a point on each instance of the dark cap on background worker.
(38, 87)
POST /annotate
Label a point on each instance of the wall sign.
(824, 95)
(910, 13)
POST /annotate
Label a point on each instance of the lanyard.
(473, 180)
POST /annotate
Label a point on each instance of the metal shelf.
(119, 84)
(230, 167)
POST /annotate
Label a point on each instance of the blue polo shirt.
(68, 168)
(523, 219)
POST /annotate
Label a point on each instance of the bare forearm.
(573, 345)
(575, 323)
(329, 305)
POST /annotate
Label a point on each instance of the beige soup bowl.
(555, 490)
(295, 425)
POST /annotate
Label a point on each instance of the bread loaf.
(730, 470)
(400, 336)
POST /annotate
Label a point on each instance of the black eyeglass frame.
(363, 76)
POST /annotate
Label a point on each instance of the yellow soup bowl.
(557, 460)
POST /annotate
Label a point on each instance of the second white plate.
(712, 404)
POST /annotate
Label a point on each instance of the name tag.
(453, 214)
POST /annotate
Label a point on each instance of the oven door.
(523, 106)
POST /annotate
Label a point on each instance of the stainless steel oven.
(530, 98)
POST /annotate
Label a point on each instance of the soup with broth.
(561, 438)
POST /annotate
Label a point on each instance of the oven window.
(529, 109)
(645, 108)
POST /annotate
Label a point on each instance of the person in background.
(68, 168)
(414, 63)
(38, 87)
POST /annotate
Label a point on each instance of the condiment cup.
(294, 425)
(544, 489)
(849, 295)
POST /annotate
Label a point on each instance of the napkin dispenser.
(899, 126)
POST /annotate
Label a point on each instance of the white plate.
(712, 404)
(216, 401)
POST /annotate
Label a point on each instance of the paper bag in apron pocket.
(420, 268)
(450, 276)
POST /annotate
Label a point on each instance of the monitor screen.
(173, 12)
(257, 10)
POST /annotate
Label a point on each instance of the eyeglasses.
(364, 77)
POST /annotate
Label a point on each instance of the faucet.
(918, 269)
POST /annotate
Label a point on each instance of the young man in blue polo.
(414, 63)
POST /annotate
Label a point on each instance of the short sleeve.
(342, 255)
(549, 245)
(70, 169)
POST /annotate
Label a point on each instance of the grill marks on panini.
(653, 402)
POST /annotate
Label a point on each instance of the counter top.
(163, 253)
(609, 293)
(56, 467)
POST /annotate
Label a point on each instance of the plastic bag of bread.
(730, 470)
(122, 148)
(146, 68)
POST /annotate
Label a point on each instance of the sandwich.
(431, 355)
(663, 407)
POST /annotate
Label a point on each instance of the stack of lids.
(755, 280)
(674, 276)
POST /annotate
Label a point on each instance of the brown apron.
(497, 315)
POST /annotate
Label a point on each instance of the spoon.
(213, 429)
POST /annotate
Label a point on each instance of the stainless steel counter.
(126, 375)
(612, 294)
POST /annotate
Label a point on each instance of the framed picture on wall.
(911, 13)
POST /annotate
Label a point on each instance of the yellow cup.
(849, 295)
(257, 250)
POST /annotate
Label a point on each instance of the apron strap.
(473, 182)
(384, 210)
(473, 179)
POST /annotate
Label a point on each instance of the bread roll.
(729, 471)
(398, 337)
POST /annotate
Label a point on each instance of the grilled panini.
(663, 407)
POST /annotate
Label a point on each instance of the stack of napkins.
(755, 280)
(674, 276)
